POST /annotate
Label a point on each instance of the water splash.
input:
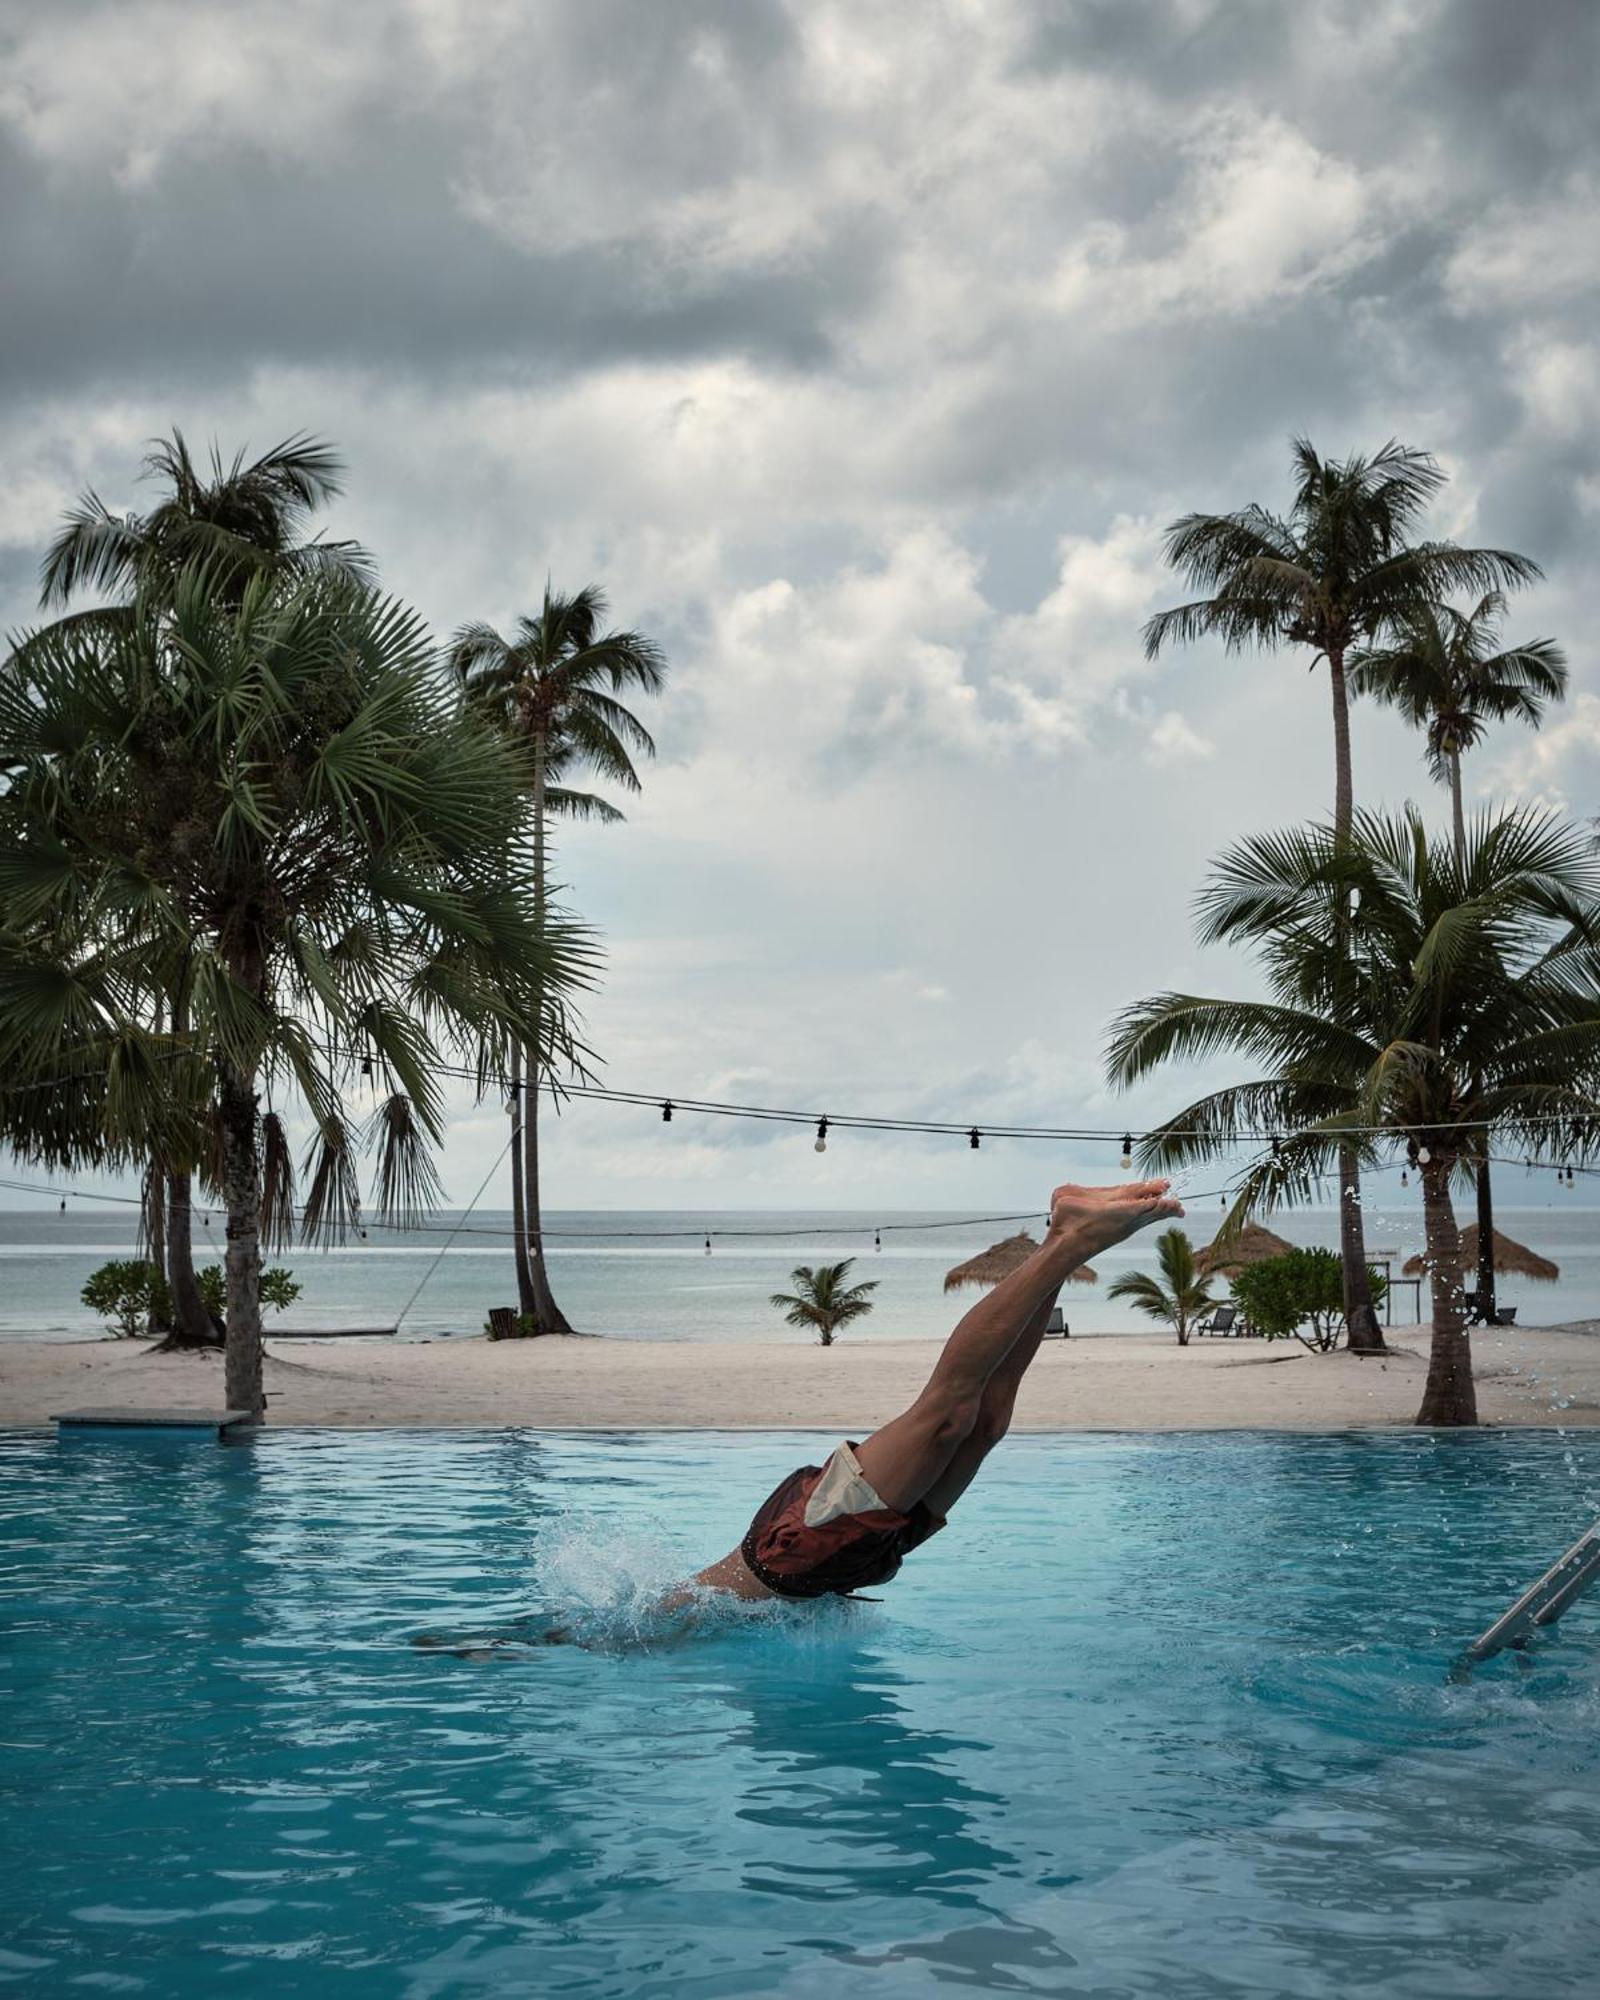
(607, 1588)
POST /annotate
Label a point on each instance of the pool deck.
(1545, 1376)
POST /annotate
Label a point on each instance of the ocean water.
(658, 1283)
(1155, 1717)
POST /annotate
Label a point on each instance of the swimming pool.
(1162, 1716)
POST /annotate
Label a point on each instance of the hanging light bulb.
(822, 1136)
(708, 1246)
(1127, 1152)
(877, 1239)
(973, 1138)
(63, 1204)
(1405, 1178)
(1569, 1177)
(1423, 1156)
(666, 1112)
(366, 1065)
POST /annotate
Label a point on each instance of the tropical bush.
(130, 1293)
(279, 1289)
(1301, 1289)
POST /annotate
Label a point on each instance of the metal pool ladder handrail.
(1562, 1584)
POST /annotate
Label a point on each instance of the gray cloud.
(862, 352)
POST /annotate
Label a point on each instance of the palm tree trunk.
(519, 1212)
(1488, 1309)
(547, 1315)
(153, 1241)
(1457, 815)
(241, 1171)
(1487, 1306)
(1364, 1334)
(1449, 1396)
(192, 1322)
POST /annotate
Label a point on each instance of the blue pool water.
(1155, 1717)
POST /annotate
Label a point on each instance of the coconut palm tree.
(235, 520)
(278, 808)
(553, 690)
(823, 1299)
(1178, 1302)
(1445, 672)
(1461, 998)
(1338, 569)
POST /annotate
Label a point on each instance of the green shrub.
(129, 1292)
(1301, 1288)
(278, 1288)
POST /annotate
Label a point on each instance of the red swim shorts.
(824, 1531)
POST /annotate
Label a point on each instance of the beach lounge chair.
(1221, 1320)
(1055, 1327)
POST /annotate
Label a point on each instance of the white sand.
(1546, 1376)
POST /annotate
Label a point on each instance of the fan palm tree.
(553, 690)
(823, 1299)
(1339, 568)
(1444, 671)
(277, 808)
(1178, 1302)
(1461, 998)
(235, 520)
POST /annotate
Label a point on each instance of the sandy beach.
(1533, 1376)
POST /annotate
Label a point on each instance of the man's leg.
(904, 1460)
(994, 1416)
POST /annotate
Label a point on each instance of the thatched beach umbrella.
(1252, 1245)
(1511, 1258)
(999, 1261)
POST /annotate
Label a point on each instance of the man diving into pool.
(834, 1529)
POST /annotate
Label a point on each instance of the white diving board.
(1560, 1586)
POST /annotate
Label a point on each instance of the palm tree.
(278, 808)
(1339, 568)
(236, 521)
(1182, 1299)
(1460, 999)
(821, 1298)
(1443, 670)
(552, 690)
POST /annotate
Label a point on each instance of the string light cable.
(669, 1103)
(451, 1231)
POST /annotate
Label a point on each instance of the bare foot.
(1097, 1217)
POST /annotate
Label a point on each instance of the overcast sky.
(860, 349)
